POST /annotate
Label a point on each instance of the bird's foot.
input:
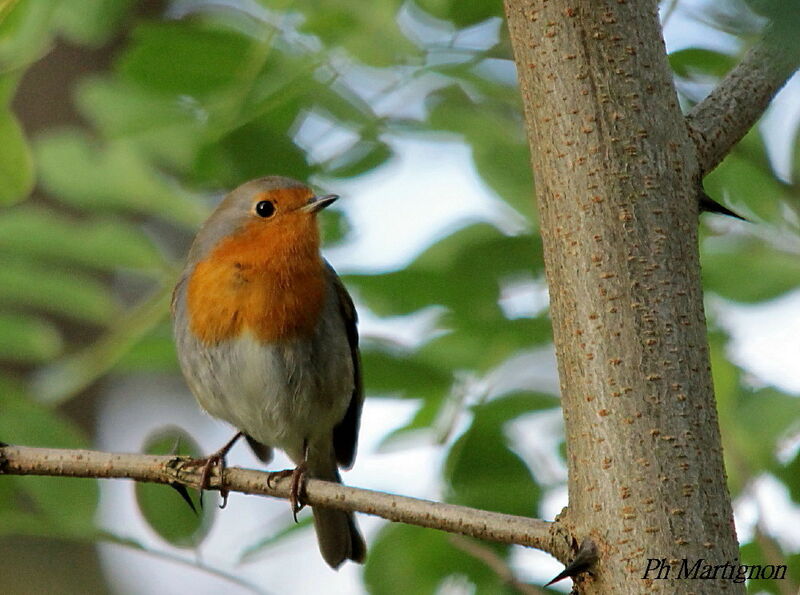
(216, 459)
(298, 475)
(278, 475)
(298, 485)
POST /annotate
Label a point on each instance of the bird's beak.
(317, 203)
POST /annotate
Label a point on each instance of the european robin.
(266, 337)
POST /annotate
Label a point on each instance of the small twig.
(668, 12)
(495, 563)
(111, 538)
(482, 524)
(722, 119)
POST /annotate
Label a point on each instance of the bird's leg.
(298, 483)
(297, 474)
(298, 477)
(218, 459)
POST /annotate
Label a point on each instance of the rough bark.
(616, 178)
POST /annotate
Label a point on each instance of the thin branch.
(132, 544)
(482, 524)
(722, 119)
(495, 563)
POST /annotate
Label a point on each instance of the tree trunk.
(617, 180)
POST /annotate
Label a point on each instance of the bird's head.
(263, 218)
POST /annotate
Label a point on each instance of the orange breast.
(269, 281)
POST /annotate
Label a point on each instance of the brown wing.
(345, 434)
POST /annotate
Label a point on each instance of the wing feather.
(345, 434)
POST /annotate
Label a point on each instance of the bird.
(266, 337)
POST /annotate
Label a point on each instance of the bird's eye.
(265, 209)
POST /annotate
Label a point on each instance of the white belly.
(282, 394)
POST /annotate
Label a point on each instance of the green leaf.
(486, 344)
(421, 427)
(24, 33)
(776, 413)
(160, 126)
(21, 523)
(484, 474)
(481, 469)
(115, 177)
(334, 226)
(496, 135)
(69, 375)
(155, 352)
(16, 163)
(462, 272)
(462, 14)
(8, 86)
(753, 553)
(339, 103)
(185, 58)
(163, 508)
(24, 422)
(746, 269)
(795, 179)
(505, 167)
(100, 243)
(91, 22)
(364, 156)
(789, 474)
(25, 283)
(750, 449)
(26, 339)
(393, 373)
(690, 62)
(411, 560)
(746, 177)
(783, 12)
(265, 145)
(65, 506)
(6, 8)
(371, 36)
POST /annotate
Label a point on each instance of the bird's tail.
(337, 532)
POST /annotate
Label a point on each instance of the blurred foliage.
(201, 96)
(182, 523)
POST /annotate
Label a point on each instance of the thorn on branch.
(709, 205)
(184, 493)
(583, 561)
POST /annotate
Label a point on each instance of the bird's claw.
(295, 491)
(298, 484)
(205, 476)
(217, 459)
